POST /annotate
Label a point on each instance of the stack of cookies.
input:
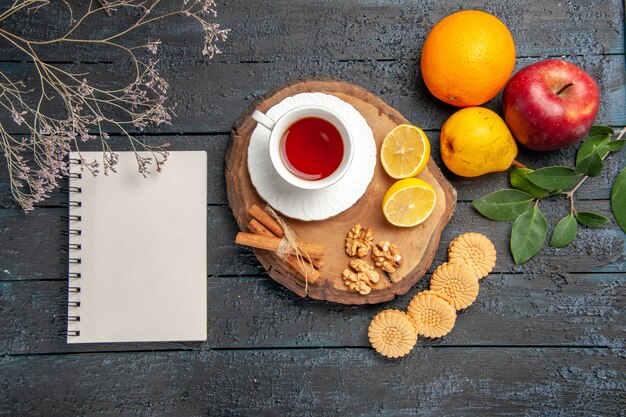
(432, 313)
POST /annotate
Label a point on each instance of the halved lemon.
(409, 202)
(405, 151)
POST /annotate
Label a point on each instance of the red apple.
(550, 105)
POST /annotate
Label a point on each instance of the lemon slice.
(409, 202)
(405, 151)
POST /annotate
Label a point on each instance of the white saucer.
(313, 204)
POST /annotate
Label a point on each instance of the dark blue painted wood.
(545, 338)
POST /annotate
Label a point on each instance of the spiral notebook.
(138, 247)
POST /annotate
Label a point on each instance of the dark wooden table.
(545, 338)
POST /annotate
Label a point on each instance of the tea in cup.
(310, 146)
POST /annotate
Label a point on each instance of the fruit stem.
(565, 87)
(518, 164)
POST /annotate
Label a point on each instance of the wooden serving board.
(418, 244)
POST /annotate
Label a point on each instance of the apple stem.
(518, 164)
(565, 87)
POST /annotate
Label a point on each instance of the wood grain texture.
(554, 309)
(418, 244)
(40, 233)
(210, 96)
(348, 30)
(544, 338)
(326, 382)
(468, 189)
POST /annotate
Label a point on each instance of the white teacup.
(279, 127)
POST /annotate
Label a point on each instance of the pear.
(476, 141)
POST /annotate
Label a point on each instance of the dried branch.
(37, 160)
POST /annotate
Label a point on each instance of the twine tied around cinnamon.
(288, 245)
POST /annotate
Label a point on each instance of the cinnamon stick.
(318, 263)
(304, 268)
(313, 250)
(256, 227)
(266, 220)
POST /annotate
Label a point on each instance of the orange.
(467, 58)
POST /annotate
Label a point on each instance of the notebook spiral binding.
(73, 248)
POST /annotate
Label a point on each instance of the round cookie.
(476, 251)
(392, 334)
(432, 315)
(455, 283)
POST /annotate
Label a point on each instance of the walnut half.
(387, 256)
(360, 281)
(359, 241)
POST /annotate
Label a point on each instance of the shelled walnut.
(387, 256)
(359, 241)
(360, 281)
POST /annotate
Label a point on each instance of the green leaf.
(503, 205)
(554, 178)
(618, 200)
(519, 181)
(590, 219)
(590, 164)
(590, 155)
(595, 141)
(616, 145)
(528, 235)
(564, 231)
(600, 130)
(599, 142)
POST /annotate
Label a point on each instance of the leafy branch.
(520, 204)
(37, 160)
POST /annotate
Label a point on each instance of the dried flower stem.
(37, 160)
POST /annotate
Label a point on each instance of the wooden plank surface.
(468, 189)
(600, 250)
(288, 30)
(222, 92)
(544, 338)
(511, 310)
(318, 382)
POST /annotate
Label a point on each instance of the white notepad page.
(143, 251)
